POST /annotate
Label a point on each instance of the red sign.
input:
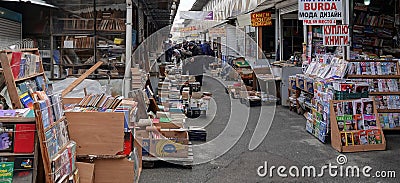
(261, 19)
(336, 35)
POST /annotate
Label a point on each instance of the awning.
(37, 2)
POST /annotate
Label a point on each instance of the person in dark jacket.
(194, 65)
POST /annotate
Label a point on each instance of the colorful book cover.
(363, 137)
(349, 139)
(343, 138)
(6, 172)
(7, 137)
(24, 138)
(356, 138)
(23, 163)
(15, 63)
(26, 100)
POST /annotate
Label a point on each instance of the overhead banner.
(217, 32)
(261, 19)
(320, 10)
(336, 35)
(197, 15)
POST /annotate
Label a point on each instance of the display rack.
(12, 81)
(58, 151)
(25, 163)
(378, 95)
(342, 145)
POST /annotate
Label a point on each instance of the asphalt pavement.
(287, 144)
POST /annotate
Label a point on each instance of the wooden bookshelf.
(17, 120)
(388, 110)
(5, 58)
(391, 129)
(384, 93)
(30, 77)
(373, 76)
(376, 60)
(336, 141)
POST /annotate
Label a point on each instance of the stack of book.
(98, 102)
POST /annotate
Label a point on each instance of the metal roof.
(161, 12)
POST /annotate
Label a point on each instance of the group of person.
(193, 56)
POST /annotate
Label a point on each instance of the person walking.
(194, 64)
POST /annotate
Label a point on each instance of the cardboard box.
(197, 95)
(173, 144)
(96, 133)
(114, 170)
(86, 172)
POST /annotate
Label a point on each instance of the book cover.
(369, 121)
(363, 137)
(72, 155)
(356, 138)
(56, 164)
(40, 83)
(51, 143)
(23, 163)
(15, 63)
(22, 68)
(45, 114)
(6, 172)
(23, 176)
(368, 106)
(343, 138)
(349, 139)
(7, 138)
(24, 138)
(26, 100)
(357, 107)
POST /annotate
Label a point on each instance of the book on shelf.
(24, 138)
(98, 102)
(6, 171)
(7, 138)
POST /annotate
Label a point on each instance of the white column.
(128, 50)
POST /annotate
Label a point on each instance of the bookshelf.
(58, 151)
(13, 69)
(353, 132)
(373, 27)
(83, 37)
(383, 77)
(24, 152)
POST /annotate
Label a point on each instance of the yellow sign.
(261, 19)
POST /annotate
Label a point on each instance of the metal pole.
(128, 47)
(347, 21)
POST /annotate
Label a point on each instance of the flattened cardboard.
(86, 172)
(114, 170)
(96, 133)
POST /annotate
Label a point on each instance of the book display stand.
(21, 69)
(383, 77)
(58, 151)
(355, 126)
